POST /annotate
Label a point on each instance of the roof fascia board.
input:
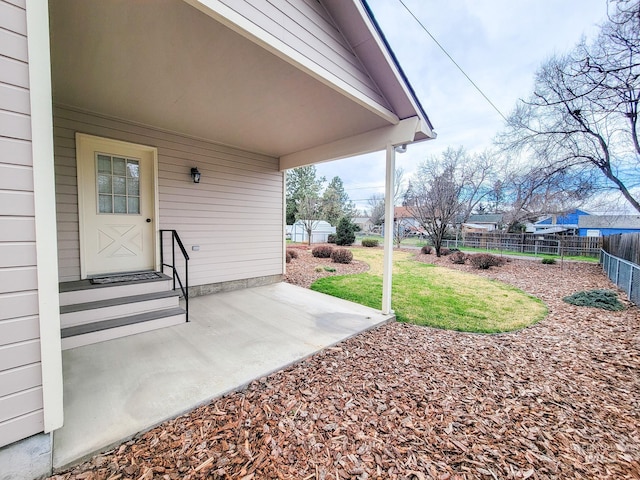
(385, 48)
(241, 25)
(372, 141)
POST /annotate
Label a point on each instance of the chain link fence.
(624, 274)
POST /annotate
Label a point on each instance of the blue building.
(566, 224)
(603, 225)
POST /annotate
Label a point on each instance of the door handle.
(148, 220)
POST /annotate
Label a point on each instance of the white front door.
(117, 207)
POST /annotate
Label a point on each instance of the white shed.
(320, 234)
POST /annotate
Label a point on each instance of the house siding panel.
(304, 26)
(19, 379)
(234, 214)
(21, 400)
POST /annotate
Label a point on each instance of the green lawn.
(437, 297)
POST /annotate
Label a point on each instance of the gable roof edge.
(395, 63)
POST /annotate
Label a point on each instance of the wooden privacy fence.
(625, 246)
(530, 243)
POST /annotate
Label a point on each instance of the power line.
(452, 60)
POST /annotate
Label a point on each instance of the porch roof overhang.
(200, 68)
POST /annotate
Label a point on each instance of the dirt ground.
(560, 399)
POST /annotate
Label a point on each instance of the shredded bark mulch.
(560, 399)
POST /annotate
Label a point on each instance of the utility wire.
(452, 60)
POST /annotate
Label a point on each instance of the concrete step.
(83, 291)
(88, 333)
(90, 312)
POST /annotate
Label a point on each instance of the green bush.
(345, 232)
(293, 253)
(341, 255)
(370, 242)
(329, 269)
(483, 261)
(605, 299)
(331, 238)
(458, 258)
(427, 250)
(322, 251)
(548, 261)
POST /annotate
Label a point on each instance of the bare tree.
(534, 191)
(309, 213)
(376, 204)
(437, 199)
(583, 113)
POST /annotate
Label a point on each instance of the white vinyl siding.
(234, 214)
(21, 413)
(306, 27)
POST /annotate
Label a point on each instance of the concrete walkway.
(115, 389)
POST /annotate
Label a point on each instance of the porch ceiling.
(167, 65)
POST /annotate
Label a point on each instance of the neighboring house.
(364, 223)
(406, 220)
(566, 224)
(109, 112)
(320, 233)
(483, 223)
(603, 225)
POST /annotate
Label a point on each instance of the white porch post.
(388, 230)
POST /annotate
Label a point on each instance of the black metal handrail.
(175, 238)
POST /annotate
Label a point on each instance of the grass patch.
(437, 297)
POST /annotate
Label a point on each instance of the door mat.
(127, 277)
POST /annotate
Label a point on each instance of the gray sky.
(499, 43)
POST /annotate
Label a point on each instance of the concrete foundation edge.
(27, 459)
(198, 290)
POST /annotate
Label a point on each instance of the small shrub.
(370, 242)
(345, 232)
(427, 250)
(605, 299)
(444, 251)
(329, 269)
(548, 261)
(292, 253)
(458, 258)
(322, 251)
(331, 238)
(288, 257)
(319, 268)
(483, 261)
(341, 255)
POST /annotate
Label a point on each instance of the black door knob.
(148, 220)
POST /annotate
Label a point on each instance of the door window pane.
(133, 187)
(118, 185)
(119, 166)
(104, 183)
(134, 205)
(104, 164)
(119, 204)
(105, 205)
(133, 169)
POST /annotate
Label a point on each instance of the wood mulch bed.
(560, 399)
(301, 271)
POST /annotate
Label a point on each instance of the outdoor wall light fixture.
(195, 174)
(401, 148)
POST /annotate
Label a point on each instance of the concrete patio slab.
(115, 389)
